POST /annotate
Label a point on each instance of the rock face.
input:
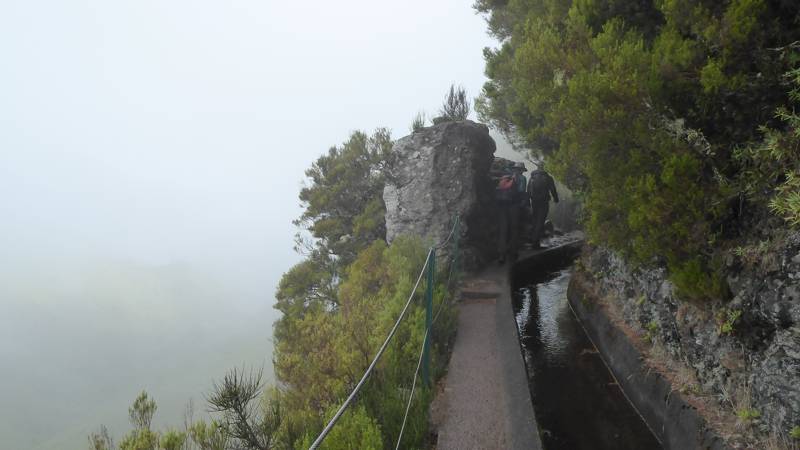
(437, 173)
(746, 348)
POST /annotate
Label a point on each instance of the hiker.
(521, 203)
(541, 188)
(520, 195)
(512, 202)
(506, 220)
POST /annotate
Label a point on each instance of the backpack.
(504, 191)
(539, 185)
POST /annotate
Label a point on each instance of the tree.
(101, 440)
(771, 168)
(141, 437)
(338, 306)
(344, 213)
(247, 423)
(172, 440)
(208, 436)
(343, 205)
(141, 416)
(637, 105)
(455, 106)
(335, 347)
(142, 411)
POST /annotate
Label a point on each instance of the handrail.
(413, 386)
(419, 362)
(450, 235)
(352, 395)
(368, 372)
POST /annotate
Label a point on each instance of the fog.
(79, 343)
(151, 154)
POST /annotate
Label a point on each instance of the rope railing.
(429, 269)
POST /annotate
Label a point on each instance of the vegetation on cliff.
(658, 113)
(340, 303)
(338, 306)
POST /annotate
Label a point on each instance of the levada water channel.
(578, 403)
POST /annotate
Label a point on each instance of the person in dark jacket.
(541, 188)
(520, 194)
(511, 199)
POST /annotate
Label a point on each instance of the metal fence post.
(454, 259)
(426, 358)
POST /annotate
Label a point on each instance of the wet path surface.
(484, 401)
(578, 404)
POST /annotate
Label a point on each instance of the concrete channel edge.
(524, 430)
(676, 423)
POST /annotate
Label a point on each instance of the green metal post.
(426, 358)
(455, 255)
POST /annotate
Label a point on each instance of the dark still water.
(578, 403)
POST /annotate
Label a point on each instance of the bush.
(637, 107)
(455, 106)
(771, 169)
(419, 122)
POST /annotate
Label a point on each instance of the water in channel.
(578, 403)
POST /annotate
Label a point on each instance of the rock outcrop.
(437, 173)
(745, 352)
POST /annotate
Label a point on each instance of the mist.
(151, 154)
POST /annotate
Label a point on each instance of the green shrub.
(771, 169)
(748, 415)
(454, 107)
(637, 107)
(419, 122)
(728, 319)
(652, 331)
(355, 429)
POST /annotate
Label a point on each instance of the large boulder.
(437, 173)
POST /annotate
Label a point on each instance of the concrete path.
(485, 402)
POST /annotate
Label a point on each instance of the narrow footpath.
(485, 402)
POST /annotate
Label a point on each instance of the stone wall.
(746, 347)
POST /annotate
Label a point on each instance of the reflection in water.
(577, 402)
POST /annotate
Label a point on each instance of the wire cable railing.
(429, 268)
(450, 235)
(421, 354)
(355, 391)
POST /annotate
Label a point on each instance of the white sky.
(166, 131)
(174, 135)
(151, 155)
